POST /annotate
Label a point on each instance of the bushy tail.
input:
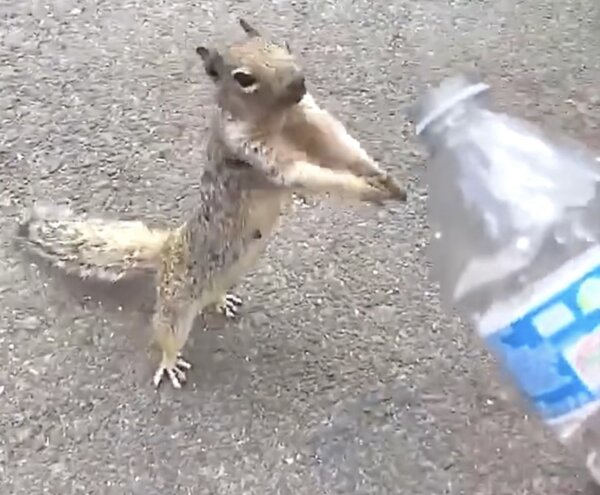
(91, 247)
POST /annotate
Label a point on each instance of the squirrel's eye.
(212, 73)
(244, 79)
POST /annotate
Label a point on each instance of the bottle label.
(550, 339)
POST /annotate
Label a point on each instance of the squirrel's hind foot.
(229, 306)
(174, 370)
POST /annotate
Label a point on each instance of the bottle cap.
(439, 100)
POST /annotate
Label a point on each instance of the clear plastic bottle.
(515, 218)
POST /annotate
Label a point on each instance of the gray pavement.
(343, 376)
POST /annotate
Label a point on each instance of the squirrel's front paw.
(385, 187)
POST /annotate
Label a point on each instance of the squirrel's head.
(254, 77)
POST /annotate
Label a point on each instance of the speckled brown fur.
(257, 157)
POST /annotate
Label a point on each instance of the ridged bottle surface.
(515, 219)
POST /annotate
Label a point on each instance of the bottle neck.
(452, 124)
(444, 103)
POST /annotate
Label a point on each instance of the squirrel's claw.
(229, 306)
(387, 186)
(175, 372)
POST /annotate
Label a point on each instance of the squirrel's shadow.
(130, 303)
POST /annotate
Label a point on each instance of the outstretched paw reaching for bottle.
(385, 187)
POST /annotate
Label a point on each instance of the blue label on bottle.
(553, 351)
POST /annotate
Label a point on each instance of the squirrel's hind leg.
(172, 329)
(176, 310)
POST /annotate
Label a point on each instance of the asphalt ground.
(343, 374)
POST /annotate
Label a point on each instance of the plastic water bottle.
(515, 218)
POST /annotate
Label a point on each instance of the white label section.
(504, 313)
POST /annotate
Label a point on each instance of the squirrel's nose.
(297, 88)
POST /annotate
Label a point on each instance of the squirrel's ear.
(248, 29)
(213, 62)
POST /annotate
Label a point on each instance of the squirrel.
(268, 139)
